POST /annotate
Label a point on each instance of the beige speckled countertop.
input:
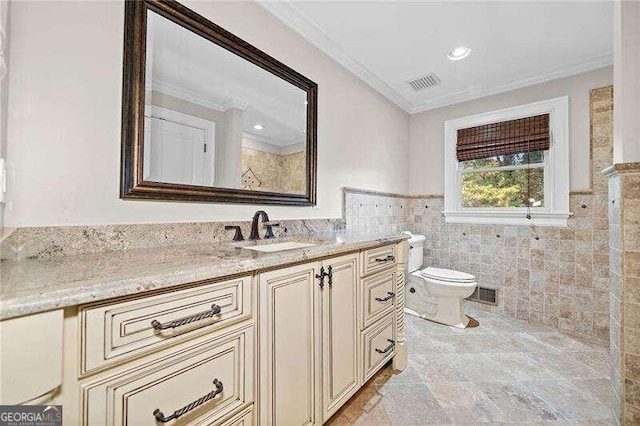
(31, 286)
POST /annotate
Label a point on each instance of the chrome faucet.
(255, 235)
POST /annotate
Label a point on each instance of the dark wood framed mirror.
(208, 117)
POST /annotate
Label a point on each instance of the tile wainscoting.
(553, 276)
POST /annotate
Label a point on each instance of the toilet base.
(450, 311)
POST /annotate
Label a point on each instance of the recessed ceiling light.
(458, 53)
(258, 126)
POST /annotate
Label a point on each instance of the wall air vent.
(425, 82)
(485, 295)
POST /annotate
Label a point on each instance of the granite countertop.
(31, 286)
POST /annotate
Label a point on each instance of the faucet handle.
(238, 235)
(270, 226)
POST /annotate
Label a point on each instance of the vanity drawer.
(244, 418)
(378, 258)
(378, 297)
(173, 383)
(114, 332)
(378, 343)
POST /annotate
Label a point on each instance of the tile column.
(624, 216)
(624, 229)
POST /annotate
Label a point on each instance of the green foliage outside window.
(521, 187)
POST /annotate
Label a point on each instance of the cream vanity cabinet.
(308, 352)
(179, 356)
(26, 376)
(314, 349)
(287, 345)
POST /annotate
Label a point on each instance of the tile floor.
(502, 372)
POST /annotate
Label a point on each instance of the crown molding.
(295, 19)
(591, 64)
(220, 105)
(260, 143)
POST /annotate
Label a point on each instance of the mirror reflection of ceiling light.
(458, 53)
(258, 126)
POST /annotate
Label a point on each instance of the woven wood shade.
(507, 137)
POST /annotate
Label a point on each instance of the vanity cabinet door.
(339, 333)
(289, 350)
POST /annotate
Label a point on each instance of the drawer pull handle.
(389, 258)
(391, 295)
(392, 343)
(215, 310)
(162, 419)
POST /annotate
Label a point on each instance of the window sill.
(507, 218)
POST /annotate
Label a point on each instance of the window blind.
(504, 138)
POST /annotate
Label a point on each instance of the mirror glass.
(214, 119)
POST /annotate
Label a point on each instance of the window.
(509, 166)
(515, 180)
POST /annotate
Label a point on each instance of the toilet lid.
(447, 275)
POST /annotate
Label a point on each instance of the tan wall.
(4, 93)
(64, 125)
(427, 128)
(294, 166)
(277, 173)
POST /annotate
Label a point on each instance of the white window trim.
(556, 174)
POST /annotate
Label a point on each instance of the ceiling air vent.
(425, 82)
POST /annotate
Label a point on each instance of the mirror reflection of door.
(178, 148)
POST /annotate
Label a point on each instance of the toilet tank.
(416, 251)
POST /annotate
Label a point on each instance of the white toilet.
(433, 293)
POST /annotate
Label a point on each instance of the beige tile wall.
(277, 173)
(553, 276)
(624, 215)
(376, 212)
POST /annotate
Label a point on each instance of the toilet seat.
(447, 276)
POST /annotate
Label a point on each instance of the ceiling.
(190, 67)
(514, 44)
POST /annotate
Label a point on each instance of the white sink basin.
(270, 248)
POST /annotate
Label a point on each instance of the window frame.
(555, 211)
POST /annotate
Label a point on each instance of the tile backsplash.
(375, 211)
